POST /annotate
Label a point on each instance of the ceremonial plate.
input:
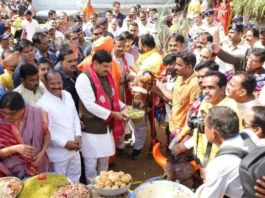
(11, 183)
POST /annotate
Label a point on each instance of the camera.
(197, 122)
(193, 123)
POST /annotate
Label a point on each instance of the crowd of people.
(64, 86)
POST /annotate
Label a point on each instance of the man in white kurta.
(64, 126)
(30, 88)
(96, 148)
(30, 25)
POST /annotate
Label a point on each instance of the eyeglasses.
(9, 113)
(74, 38)
(98, 34)
(246, 125)
(45, 43)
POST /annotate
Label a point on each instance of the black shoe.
(122, 153)
(136, 154)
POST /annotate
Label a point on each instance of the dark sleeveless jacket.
(94, 124)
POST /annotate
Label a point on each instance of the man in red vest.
(100, 112)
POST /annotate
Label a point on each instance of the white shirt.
(4, 10)
(222, 175)
(169, 85)
(145, 29)
(195, 30)
(64, 124)
(221, 64)
(124, 27)
(29, 96)
(216, 30)
(87, 29)
(94, 145)
(258, 45)
(244, 107)
(30, 27)
(114, 32)
(59, 34)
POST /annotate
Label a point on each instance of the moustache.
(36, 86)
(247, 40)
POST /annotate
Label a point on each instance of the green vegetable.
(134, 113)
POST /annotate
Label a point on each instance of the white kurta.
(64, 124)
(30, 27)
(94, 145)
(145, 29)
(29, 96)
(169, 85)
(243, 108)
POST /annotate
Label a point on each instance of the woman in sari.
(64, 24)
(224, 15)
(216, 7)
(24, 137)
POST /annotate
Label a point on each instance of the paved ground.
(143, 168)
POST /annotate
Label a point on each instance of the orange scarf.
(103, 43)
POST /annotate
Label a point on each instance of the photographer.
(213, 88)
(200, 69)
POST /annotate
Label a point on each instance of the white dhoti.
(93, 167)
(71, 167)
(96, 150)
(94, 146)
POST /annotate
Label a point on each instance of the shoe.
(136, 154)
(122, 153)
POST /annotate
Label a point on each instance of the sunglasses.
(98, 34)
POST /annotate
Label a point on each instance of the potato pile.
(112, 180)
